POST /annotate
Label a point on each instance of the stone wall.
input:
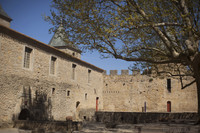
(49, 126)
(71, 52)
(58, 92)
(130, 93)
(139, 117)
(60, 95)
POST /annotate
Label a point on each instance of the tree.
(152, 32)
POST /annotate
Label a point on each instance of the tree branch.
(158, 25)
(183, 87)
(167, 43)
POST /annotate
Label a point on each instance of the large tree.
(148, 31)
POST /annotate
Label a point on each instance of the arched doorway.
(168, 106)
(24, 114)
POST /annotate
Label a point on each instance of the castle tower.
(4, 18)
(58, 42)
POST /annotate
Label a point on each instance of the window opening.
(89, 74)
(169, 85)
(53, 90)
(68, 93)
(73, 71)
(52, 65)
(27, 57)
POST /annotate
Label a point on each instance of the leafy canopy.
(152, 31)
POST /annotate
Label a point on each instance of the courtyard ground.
(127, 128)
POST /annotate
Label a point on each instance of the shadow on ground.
(140, 128)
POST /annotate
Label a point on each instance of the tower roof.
(57, 39)
(4, 15)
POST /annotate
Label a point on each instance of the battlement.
(123, 72)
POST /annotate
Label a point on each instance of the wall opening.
(84, 117)
(27, 57)
(53, 65)
(77, 104)
(97, 103)
(68, 93)
(168, 106)
(73, 71)
(169, 85)
(53, 90)
(85, 96)
(89, 75)
(24, 114)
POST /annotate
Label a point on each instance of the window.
(85, 96)
(68, 93)
(89, 74)
(169, 85)
(53, 90)
(52, 65)
(73, 71)
(27, 57)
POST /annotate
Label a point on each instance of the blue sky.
(28, 19)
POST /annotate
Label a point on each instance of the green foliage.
(152, 31)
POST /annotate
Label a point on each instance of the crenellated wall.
(123, 72)
(131, 93)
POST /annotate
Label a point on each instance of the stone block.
(113, 72)
(104, 72)
(124, 72)
(136, 72)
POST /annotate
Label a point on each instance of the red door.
(168, 106)
(97, 101)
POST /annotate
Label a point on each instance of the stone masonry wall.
(14, 78)
(71, 52)
(129, 93)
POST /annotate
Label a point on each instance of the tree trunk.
(198, 93)
(196, 69)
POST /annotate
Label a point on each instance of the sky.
(28, 19)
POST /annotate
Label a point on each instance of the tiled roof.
(57, 39)
(4, 14)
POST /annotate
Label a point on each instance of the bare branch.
(146, 60)
(158, 25)
(183, 87)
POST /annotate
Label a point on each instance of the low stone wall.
(48, 126)
(140, 117)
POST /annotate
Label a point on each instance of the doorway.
(24, 114)
(168, 106)
(97, 103)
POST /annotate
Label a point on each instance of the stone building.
(51, 82)
(39, 81)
